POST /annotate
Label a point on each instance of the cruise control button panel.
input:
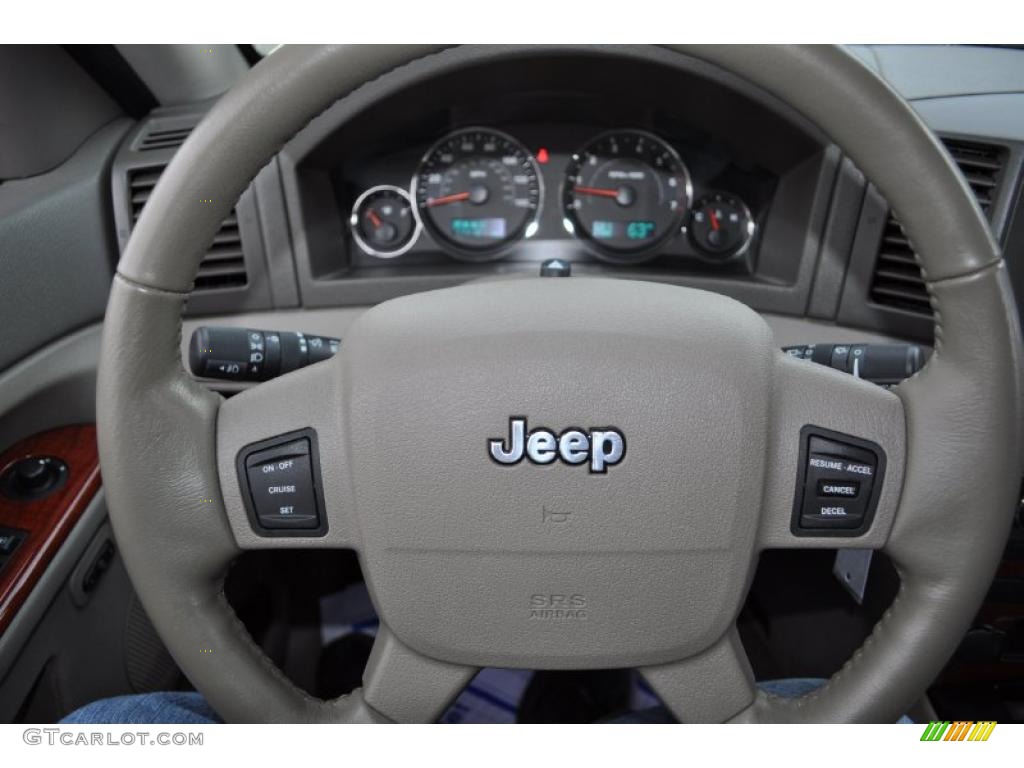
(839, 480)
(280, 481)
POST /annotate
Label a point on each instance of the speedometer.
(625, 193)
(477, 191)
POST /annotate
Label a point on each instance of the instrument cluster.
(624, 195)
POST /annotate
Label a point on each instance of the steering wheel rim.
(951, 433)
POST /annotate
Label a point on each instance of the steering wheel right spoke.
(822, 418)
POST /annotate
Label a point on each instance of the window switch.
(9, 541)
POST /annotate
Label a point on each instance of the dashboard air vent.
(164, 138)
(223, 266)
(897, 280)
(981, 165)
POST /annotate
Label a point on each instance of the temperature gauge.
(721, 225)
(383, 222)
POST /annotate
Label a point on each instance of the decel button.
(833, 513)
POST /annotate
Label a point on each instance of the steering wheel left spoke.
(293, 409)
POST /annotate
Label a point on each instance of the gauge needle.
(597, 191)
(448, 199)
(714, 220)
(374, 218)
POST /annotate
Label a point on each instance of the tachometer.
(625, 193)
(477, 191)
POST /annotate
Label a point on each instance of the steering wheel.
(664, 522)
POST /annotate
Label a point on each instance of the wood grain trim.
(47, 520)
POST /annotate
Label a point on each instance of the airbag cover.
(553, 565)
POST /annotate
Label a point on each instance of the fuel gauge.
(721, 225)
(383, 223)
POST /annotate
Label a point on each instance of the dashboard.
(513, 159)
(626, 195)
(485, 162)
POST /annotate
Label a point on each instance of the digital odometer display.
(480, 229)
(477, 191)
(632, 230)
(625, 193)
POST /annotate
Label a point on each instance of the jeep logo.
(602, 447)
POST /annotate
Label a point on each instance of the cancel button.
(847, 489)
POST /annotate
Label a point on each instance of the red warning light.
(542, 156)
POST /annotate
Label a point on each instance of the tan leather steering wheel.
(664, 543)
